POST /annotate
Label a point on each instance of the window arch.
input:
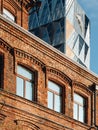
(25, 80)
(7, 14)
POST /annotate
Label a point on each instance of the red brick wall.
(20, 47)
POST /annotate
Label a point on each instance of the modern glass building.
(64, 25)
(77, 33)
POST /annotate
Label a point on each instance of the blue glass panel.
(42, 23)
(86, 50)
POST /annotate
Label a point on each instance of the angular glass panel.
(75, 112)
(86, 50)
(29, 91)
(24, 72)
(33, 21)
(57, 104)
(19, 88)
(50, 100)
(81, 42)
(53, 86)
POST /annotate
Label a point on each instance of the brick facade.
(19, 47)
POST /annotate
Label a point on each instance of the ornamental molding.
(81, 86)
(28, 124)
(60, 74)
(5, 45)
(29, 57)
(2, 118)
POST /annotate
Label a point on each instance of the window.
(54, 96)
(79, 108)
(25, 83)
(1, 70)
(8, 15)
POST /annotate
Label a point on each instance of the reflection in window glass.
(24, 72)
(50, 100)
(79, 108)
(8, 15)
(54, 96)
(25, 83)
(57, 103)
(29, 90)
(19, 87)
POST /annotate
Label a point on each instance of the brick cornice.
(59, 74)
(31, 58)
(5, 45)
(82, 86)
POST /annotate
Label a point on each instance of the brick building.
(40, 88)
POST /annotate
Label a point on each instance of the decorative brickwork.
(42, 63)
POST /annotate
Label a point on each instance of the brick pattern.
(16, 113)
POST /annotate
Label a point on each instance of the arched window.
(8, 15)
(79, 107)
(25, 83)
(54, 96)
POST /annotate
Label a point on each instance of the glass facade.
(64, 25)
(78, 37)
(49, 23)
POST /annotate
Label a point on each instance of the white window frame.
(26, 88)
(54, 94)
(79, 108)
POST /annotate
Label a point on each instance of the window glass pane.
(57, 103)
(24, 72)
(8, 15)
(53, 86)
(19, 87)
(75, 111)
(78, 98)
(81, 114)
(50, 100)
(29, 91)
